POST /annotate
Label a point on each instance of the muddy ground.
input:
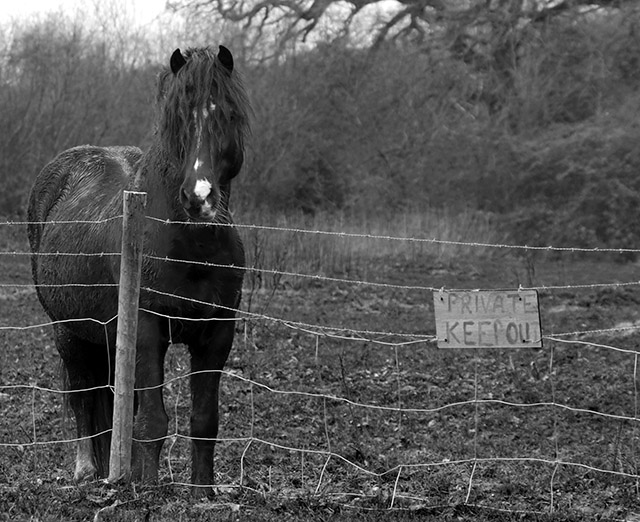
(315, 427)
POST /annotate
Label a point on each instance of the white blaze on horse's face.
(197, 165)
(202, 188)
(199, 195)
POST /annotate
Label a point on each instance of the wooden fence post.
(128, 297)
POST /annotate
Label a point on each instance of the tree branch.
(413, 16)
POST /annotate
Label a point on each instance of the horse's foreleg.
(151, 422)
(206, 362)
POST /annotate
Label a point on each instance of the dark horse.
(198, 147)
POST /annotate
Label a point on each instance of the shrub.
(580, 188)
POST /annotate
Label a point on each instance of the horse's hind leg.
(207, 359)
(87, 366)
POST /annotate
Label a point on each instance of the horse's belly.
(74, 279)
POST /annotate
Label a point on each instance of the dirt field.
(312, 427)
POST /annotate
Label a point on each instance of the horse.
(192, 268)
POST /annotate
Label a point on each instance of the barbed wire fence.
(331, 447)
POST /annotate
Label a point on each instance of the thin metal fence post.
(128, 297)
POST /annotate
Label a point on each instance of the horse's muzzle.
(197, 207)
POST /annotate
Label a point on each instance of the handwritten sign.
(487, 319)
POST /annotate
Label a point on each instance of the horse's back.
(80, 181)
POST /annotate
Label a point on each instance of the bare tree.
(472, 21)
(62, 85)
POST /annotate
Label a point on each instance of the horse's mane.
(203, 80)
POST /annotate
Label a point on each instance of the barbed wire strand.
(33, 286)
(62, 222)
(312, 277)
(354, 235)
(342, 280)
(296, 230)
(18, 253)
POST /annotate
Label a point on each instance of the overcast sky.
(143, 11)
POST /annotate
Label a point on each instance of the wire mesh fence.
(330, 391)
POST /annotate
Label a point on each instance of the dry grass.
(343, 244)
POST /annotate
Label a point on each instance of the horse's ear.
(225, 57)
(177, 61)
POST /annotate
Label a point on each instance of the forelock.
(201, 82)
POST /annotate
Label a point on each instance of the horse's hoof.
(202, 492)
(85, 472)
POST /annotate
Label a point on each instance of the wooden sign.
(487, 319)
